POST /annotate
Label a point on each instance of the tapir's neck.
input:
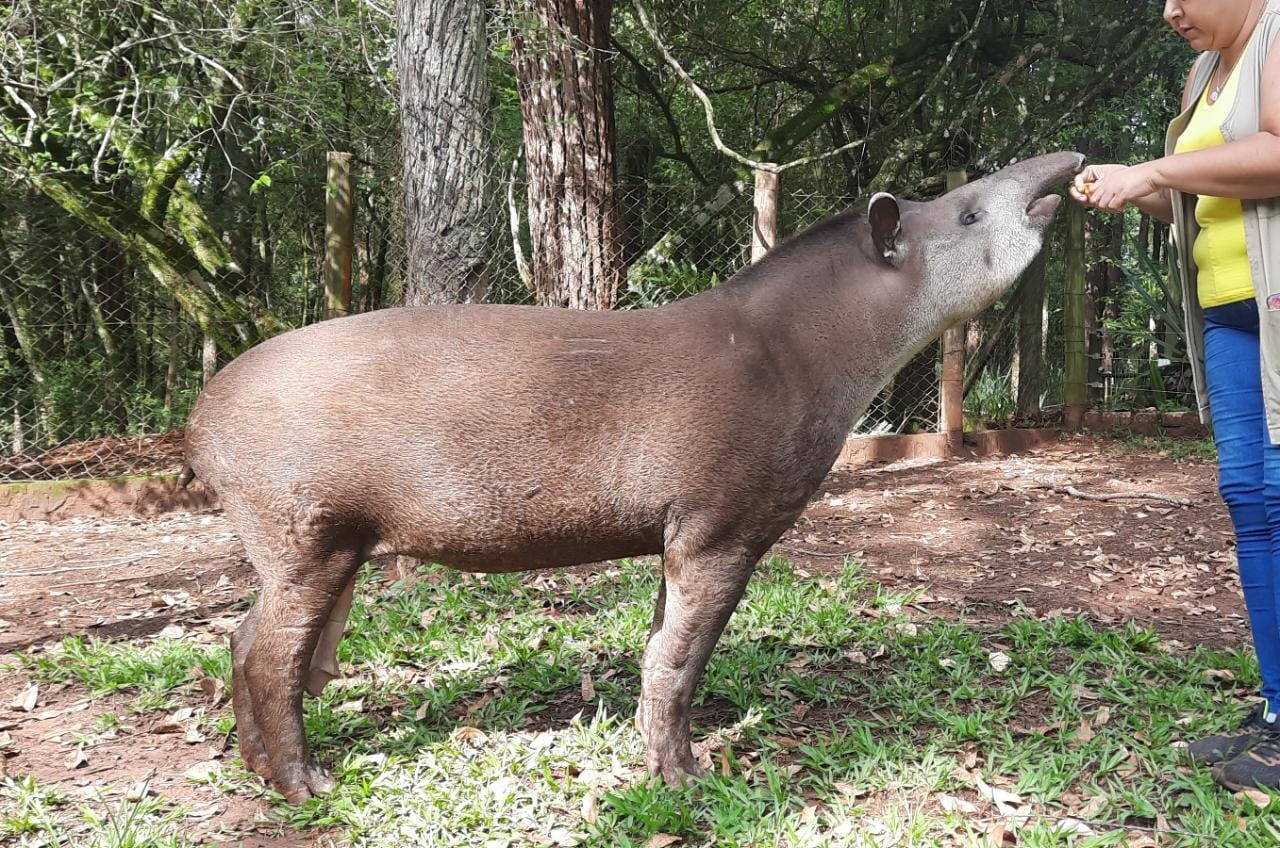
(847, 318)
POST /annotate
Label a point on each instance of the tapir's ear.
(886, 227)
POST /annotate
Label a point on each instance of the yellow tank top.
(1222, 262)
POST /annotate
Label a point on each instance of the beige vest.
(1261, 223)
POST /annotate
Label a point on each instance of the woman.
(1219, 185)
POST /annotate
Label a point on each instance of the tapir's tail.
(188, 474)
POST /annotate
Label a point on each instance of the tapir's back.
(520, 434)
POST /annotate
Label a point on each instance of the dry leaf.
(421, 712)
(662, 840)
(76, 759)
(205, 812)
(1083, 733)
(428, 616)
(473, 736)
(193, 735)
(1070, 825)
(1092, 808)
(26, 700)
(1140, 839)
(1006, 802)
(1103, 716)
(956, 805)
(588, 688)
(356, 706)
(1260, 799)
(137, 791)
(1212, 674)
(475, 706)
(590, 808)
(203, 771)
(211, 686)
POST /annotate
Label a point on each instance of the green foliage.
(215, 119)
(991, 397)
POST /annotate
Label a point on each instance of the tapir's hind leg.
(700, 590)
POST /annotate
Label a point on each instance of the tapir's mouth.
(1043, 209)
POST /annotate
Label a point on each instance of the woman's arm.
(1157, 204)
(1247, 168)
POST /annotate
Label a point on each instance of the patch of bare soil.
(99, 459)
(980, 535)
(975, 536)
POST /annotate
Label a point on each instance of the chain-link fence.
(100, 362)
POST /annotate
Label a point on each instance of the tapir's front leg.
(252, 751)
(700, 591)
(299, 593)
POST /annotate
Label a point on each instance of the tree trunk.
(177, 344)
(208, 359)
(1029, 375)
(15, 310)
(448, 156)
(108, 309)
(566, 100)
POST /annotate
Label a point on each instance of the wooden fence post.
(951, 386)
(764, 224)
(1075, 342)
(339, 236)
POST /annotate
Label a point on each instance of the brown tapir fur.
(503, 438)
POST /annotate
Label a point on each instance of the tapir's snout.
(1041, 175)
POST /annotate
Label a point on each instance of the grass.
(836, 714)
(40, 815)
(1176, 449)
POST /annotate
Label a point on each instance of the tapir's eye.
(969, 218)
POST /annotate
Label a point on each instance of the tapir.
(497, 438)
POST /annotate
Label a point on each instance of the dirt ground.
(974, 536)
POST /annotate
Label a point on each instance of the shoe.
(1259, 726)
(1256, 768)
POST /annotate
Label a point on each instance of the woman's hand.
(1112, 187)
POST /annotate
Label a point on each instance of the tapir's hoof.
(302, 782)
(255, 760)
(676, 771)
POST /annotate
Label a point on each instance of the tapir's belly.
(537, 529)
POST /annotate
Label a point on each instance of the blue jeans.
(1248, 473)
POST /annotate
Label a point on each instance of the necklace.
(1219, 80)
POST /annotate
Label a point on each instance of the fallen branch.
(1110, 496)
(814, 553)
(129, 560)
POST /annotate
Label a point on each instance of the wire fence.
(100, 363)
